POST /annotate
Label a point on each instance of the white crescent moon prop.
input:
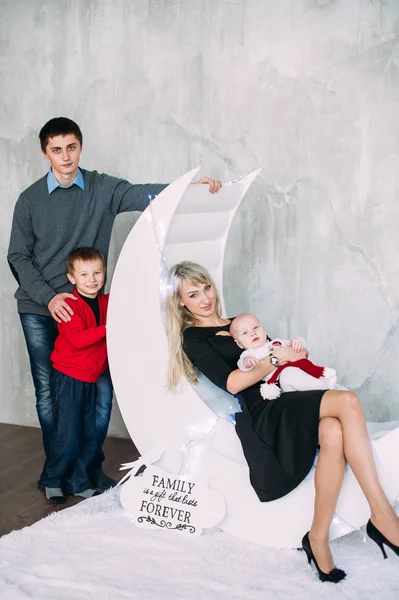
(186, 222)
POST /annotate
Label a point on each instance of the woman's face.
(198, 298)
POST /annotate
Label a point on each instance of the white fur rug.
(94, 551)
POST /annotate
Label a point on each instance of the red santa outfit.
(80, 350)
(300, 375)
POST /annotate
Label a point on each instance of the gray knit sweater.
(46, 227)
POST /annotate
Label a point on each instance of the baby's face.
(249, 333)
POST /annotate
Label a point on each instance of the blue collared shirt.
(53, 184)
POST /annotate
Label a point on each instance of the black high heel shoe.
(334, 576)
(380, 539)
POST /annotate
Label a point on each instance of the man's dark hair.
(59, 126)
(86, 254)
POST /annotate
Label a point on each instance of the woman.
(279, 437)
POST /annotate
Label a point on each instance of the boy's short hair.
(59, 126)
(86, 254)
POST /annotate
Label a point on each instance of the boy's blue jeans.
(73, 440)
(40, 332)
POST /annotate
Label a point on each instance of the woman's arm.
(214, 366)
(238, 381)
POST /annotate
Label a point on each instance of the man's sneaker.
(100, 480)
(55, 495)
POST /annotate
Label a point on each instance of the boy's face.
(248, 332)
(88, 276)
(63, 152)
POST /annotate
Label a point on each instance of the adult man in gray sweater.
(67, 208)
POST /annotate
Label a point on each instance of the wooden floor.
(21, 461)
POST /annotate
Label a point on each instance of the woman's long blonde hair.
(179, 317)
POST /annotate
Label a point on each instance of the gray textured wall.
(307, 89)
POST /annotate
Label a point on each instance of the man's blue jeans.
(40, 332)
(73, 441)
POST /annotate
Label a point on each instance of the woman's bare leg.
(330, 469)
(345, 406)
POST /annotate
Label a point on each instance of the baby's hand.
(297, 344)
(250, 362)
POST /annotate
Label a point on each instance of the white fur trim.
(269, 391)
(328, 372)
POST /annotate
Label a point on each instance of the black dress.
(279, 437)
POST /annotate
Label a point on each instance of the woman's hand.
(288, 354)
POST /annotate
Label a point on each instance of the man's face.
(63, 152)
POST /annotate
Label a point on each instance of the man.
(66, 209)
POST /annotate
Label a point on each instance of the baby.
(301, 375)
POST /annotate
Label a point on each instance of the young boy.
(303, 375)
(79, 358)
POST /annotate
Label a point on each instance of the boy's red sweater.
(80, 349)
